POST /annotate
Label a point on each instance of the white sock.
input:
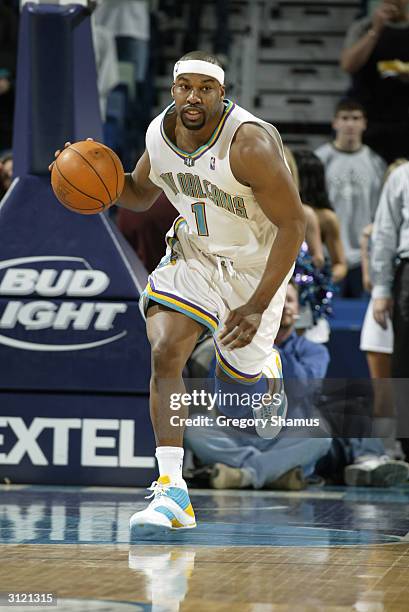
(170, 462)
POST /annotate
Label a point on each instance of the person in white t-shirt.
(354, 175)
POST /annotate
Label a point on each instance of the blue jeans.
(358, 447)
(345, 451)
(264, 460)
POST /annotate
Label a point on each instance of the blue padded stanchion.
(72, 340)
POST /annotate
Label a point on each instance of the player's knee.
(166, 359)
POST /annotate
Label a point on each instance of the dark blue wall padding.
(347, 360)
(57, 97)
(60, 419)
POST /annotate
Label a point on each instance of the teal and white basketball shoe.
(169, 510)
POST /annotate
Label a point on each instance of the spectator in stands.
(146, 233)
(6, 172)
(312, 230)
(8, 56)
(128, 20)
(354, 175)
(313, 192)
(390, 291)
(312, 247)
(106, 60)
(241, 459)
(378, 346)
(376, 54)
(221, 40)
(129, 23)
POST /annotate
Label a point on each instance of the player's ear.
(172, 90)
(222, 91)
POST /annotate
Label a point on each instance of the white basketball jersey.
(222, 216)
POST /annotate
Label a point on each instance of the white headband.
(199, 67)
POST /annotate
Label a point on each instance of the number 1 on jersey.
(200, 214)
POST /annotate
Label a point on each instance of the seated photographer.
(241, 459)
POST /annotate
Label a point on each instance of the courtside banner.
(69, 291)
(76, 439)
(73, 345)
(35, 225)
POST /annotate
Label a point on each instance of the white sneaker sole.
(152, 531)
(386, 475)
(270, 431)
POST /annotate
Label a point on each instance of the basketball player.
(230, 255)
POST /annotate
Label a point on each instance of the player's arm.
(256, 162)
(333, 241)
(139, 192)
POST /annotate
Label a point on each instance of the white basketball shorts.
(206, 288)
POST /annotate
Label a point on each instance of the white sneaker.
(375, 471)
(271, 416)
(169, 510)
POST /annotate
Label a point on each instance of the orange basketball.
(87, 177)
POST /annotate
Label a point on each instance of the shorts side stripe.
(183, 306)
(233, 372)
(178, 222)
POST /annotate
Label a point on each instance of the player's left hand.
(240, 327)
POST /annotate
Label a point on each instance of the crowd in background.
(357, 242)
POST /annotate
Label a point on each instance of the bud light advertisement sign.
(69, 291)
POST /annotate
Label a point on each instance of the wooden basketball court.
(332, 549)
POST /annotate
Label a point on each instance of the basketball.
(87, 177)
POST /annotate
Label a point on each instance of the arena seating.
(291, 75)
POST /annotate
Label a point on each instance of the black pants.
(351, 286)
(389, 140)
(400, 357)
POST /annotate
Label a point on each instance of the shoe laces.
(157, 489)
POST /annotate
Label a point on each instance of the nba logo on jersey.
(212, 163)
(189, 162)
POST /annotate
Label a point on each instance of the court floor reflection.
(328, 549)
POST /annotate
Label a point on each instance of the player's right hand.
(58, 151)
